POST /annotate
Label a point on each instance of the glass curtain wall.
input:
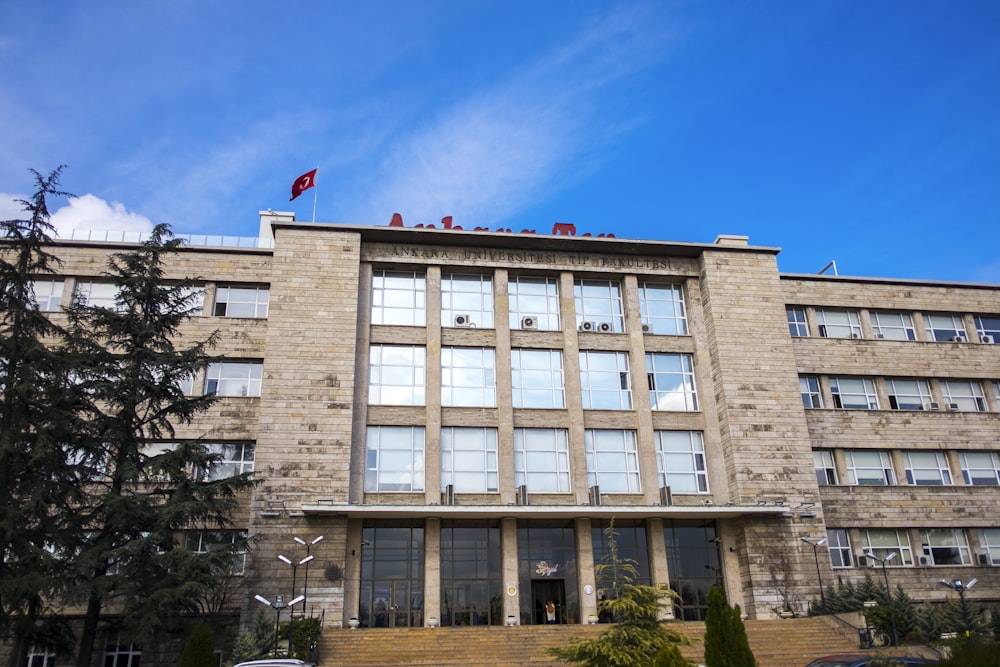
(471, 569)
(392, 574)
(693, 564)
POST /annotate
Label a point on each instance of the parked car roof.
(276, 662)
(862, 660)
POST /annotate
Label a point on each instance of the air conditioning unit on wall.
(463, 321)
(588, 326)
(605, 327)
(529, 322)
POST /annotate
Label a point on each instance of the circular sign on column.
(588, 589)
(512, 591)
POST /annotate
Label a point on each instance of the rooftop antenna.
(832, 263)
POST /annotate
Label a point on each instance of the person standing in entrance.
(550, 612)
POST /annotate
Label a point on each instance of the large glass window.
(537, 378)
(541, 460)
(630, 544)
(680, 461)
(392, 574)
(234, 378)
(671, 382)
(612, 460)
(399, 297)
(205, 541)
(97, 294)
(908, 394)
(945, 546)
(534, 303)
(989, 540)
(231, 301)
(121, 651)
(397, 375)
(840, 547)
(468, 377)
(812, 399)
(469, 459)
(661, 308)
(980, 468)
(963, 395)
(546, 563)
(838, 323)
(869, 468)
(854, 393)
(466, 300)
(394, 458)
(41, 657)
(884, 541)
(693, 564)
(598, 305)
(471, 573)
(927, 468)
(944, 328)
(48, 294)
(893, 326)
(235, 458)
(826, 469)
(988, 328)
(798, 327)
(604, 381)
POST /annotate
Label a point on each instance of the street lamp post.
(295, 566)
(306, 560)
(888, 592)
(278, 605)
(959, 587)
(815, 544)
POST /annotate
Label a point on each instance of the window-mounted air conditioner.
(959, 339)
(666, 497)
(880, 336)
(595, 495)
(463, 321)
(529, 322)
(933, 406)
(855, 335)
(587, 326)
(522, 495)
(923, 560)
(448, 497)
(984, 559)
(989, 340)
(953, 406)
(605, 327)
(647, 328)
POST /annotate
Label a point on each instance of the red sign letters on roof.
(558, 229)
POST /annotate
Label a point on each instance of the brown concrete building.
(460, 414)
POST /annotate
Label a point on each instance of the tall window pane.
(661, 307)
(398, 297)
(466, 300)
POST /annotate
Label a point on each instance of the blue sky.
(867, 132)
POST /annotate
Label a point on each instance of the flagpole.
(315, 195)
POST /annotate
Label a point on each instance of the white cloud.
(92, 212)
(9, 208)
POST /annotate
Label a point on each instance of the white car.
(276, 662)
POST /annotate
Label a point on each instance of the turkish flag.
(303, 183)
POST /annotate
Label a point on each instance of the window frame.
(839, 544)
(829, 327)
(888, 473)
(468, 377)
(411, 392)
(196, 541)
(83, 292)
(520, 373)
(824, 462)
(988, 325)
(480, 314)
(958, 546)
(907, 332)
(950, 392)
(599, 302)
(52, 301)
(967, 468)
(867, 389)
(254, 299)
(692, 458)
(662, 308)
(216, 372)
(237, 458)
(601, 386)
(395, 303)
(522, 302)
(526, 471)
(616, 445)
(455, 447)
(901, 546)
(896, 389)
(659, 367)
(990, 547)
(811, 392)
(920, 472)
(414, 437)
(938, 330)
(798, 323)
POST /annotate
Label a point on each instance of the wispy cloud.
(86, 212)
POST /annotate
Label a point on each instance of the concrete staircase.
(784, 643)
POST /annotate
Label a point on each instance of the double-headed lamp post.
(309, 557)
(815, 544)
(959, 587)
(278, 605)
(888, 591)
(295, 566)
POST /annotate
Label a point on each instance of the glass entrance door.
(549, 598)
(394, 606)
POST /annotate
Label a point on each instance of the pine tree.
(198, 652)
(726, 643)
(38, 429)
(145, 493)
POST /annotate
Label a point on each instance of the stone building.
(460, 415)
